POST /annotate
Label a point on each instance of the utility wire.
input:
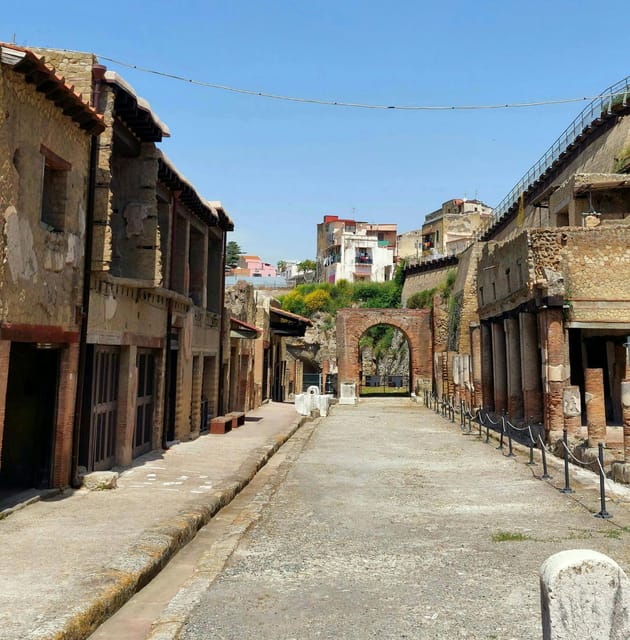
(355, 105)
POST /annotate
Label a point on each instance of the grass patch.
(509, 536)
(613, 533)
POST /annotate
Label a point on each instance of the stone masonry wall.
(41, 273)
(595, 268)
(416, 282)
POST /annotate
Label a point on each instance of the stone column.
(530, 367)
(595, 406)
(625, 404)
(487, 368)
(499, 367)
(475, 345)
(513, 353)
(572, 408)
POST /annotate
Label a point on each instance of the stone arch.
(415, 324)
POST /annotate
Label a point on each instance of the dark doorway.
(30, 416)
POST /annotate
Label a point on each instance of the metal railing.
(595, 112)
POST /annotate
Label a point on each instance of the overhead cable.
(354, 105)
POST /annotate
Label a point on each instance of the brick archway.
(415, 324)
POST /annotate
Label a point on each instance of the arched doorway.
(415, 324)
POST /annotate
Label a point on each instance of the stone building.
(446, 231)
(153, 356)
(549, 283)
(47, 133)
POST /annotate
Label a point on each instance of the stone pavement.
(69, 561)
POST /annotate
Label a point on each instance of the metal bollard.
(531, 442)
(487, 429)
(479, 420)
(567, 488)
(502, 431)
(602, 489)
(511, 453)
(543, 453)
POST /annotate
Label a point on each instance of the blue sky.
(278, 167)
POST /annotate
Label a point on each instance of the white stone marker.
(584, 595)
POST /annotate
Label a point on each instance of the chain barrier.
(529, 434)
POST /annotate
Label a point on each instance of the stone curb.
(115, 584)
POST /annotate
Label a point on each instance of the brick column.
(62, 457)
(595, 406)
(572, 409)
(530, 367)
(195, 409)
(555, 366)
(487, 368)
(5, 355)
(475, 344)
(513, 358)
(499, 366)
(625, 404)
(126, 414)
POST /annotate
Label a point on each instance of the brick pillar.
(126, 415)
(530, 368)
(513, 358)
(499, 369)
(62, 457)
(158, 404)
(487, 367)
(572, 408)
(595, 406)
(475, 343)
(625, 404)
(555, 366)
(195, 420)
(5, 355)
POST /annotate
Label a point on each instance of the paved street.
(392, 524)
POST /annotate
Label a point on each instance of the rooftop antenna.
(13, 39)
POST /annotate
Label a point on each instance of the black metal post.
(479, 420)
(511, 453)
(487, 428)
(567, 488)
(532, 442)
(602, 489)
(543, 453)
(502, 431)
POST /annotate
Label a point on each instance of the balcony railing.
(363, 260)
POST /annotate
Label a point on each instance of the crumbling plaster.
(41, 269)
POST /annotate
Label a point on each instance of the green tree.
(282, 265)
(232, 253)
(307, 265)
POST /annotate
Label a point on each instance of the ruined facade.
(544, 318)
(131, 345)
(46, 134)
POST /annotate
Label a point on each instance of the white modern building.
(355, 251)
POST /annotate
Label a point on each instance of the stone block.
(100, 480)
